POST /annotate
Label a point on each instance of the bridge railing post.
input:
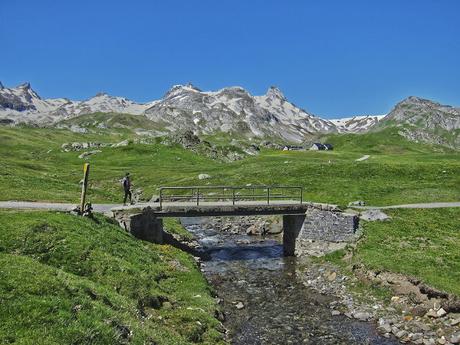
(233, 196)
(197, 196)
(161, 198)
(268, 195)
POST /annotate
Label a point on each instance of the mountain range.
(235, 110)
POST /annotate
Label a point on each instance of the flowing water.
(263, 300)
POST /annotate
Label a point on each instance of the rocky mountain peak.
(101, 94)
(24, 86)
(1, 86)
(274, 92)
(234, 92)
(417, 101)
(176, 90)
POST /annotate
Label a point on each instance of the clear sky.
(333, 58)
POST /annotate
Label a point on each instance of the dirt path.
(106, 208)
(421, 205)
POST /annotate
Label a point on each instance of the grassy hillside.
(98, 121)
(71, 280)
(33, 167)
(422, 243)
(384, 141)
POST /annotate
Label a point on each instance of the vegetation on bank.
(34, 167)
(422, 243)
(73, 280)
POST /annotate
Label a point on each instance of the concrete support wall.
(328, 226)
(144, 226)
(292, 226)
(331, 228)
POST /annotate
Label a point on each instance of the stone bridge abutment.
(317, 222)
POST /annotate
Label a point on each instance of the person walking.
(126, 183)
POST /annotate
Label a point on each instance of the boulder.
(362, 316)
(357, 203)
(455, 338)
(121, 143)
(204, 176)
(89, 153)
(373, 215)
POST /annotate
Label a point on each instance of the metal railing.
(197, 194)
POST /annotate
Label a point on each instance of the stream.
(263, 300)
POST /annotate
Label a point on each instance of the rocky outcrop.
(422, 120)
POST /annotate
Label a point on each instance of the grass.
(423, 243)
(33, 167)
(96, 121)
(173, 226)
(71, 280)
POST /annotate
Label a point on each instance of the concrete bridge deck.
(223, 208)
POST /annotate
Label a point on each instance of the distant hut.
(317, 147)
(321, 147)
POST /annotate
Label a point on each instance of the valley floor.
(143, 292)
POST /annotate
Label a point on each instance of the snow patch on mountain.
(356, 124)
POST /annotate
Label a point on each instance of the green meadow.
(74, 280)
(34, 167)
(65, 279)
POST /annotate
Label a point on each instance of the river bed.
(263, 300)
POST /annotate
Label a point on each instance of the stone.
(401, 334)
(357, 203)
(362, 316)
(335, 313)
(373, 215)
(204, 176)
(408, 318)
(416, 336)
(432, 313)
(441, 312)
(455, 338)
(395, 299)
(332, 276)
(239, 305)
(422, 326)
(121, 143)
(442, 341)
(89, 153)
(455, 322)
(384, 328)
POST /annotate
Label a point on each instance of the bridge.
(145, 220)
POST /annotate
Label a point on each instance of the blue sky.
(333, 58)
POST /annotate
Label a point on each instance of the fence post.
(233, 195)
(268, 195)
(197, 196)
(84, 187)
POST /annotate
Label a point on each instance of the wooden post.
(84, 186)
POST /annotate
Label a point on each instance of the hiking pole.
(84, 187)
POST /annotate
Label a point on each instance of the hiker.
(126, 183)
